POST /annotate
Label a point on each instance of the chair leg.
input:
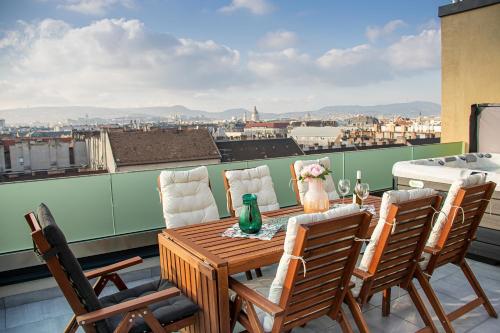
(419, 304)
(258, 272)
(356, 312)
(477, 289)
(235, 312)
(151, 320)
(344, 322)
(386, 302)
(248, 274)
(72, 325)
(434, 300)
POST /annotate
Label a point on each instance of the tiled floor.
(51, 315)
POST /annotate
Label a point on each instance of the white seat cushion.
(257, 181)
(186, 197)
(388, 199)
(291, 235)
(329, 184)
(476, 179)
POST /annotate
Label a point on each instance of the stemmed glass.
(344, 186)
(363, 191)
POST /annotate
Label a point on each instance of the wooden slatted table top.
(240, 254)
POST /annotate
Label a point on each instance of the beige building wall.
(470, 44)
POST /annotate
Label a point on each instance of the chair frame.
(294, 184)
(452, 247)
(318, 295)
(136, 308)
(398, 252)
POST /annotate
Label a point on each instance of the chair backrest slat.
(330, 249)
(461, 224)
(400, 244)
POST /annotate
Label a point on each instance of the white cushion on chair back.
(186, 197)
(291, 235)
(329, 184)
(257, 181)
(476, 179)
(389, 198)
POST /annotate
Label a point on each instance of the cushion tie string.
(356, 239)
(463, 213)
(302, 260)
(290, 182)
(393, 225)
(434, 215)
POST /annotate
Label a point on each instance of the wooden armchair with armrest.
(152, 307)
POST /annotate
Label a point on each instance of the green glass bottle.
(250, 219)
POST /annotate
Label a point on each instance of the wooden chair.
(397, 252)
(300, 188)
(457, 234)
(263, 188)
(312, 288)
(153, 307)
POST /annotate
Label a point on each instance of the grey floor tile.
(32, 312)
(56, 324)
(391, 324)
(2, 319)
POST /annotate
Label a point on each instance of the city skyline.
(280, 55)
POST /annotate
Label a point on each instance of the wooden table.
(198, 260)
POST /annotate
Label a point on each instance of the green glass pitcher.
(250, 219)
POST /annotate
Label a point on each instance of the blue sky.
(280, 55)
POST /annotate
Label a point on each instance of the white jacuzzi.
(439, 173)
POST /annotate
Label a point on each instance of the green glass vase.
(250, 219)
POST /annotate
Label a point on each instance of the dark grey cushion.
(74, 271)
(168, 311)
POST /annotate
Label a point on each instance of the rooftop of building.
(162, 146)
(258, 149)
(464, 6)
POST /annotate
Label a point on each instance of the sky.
(281, 55)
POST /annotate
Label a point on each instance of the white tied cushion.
(329, 184)
(476, 179)
(187, 198)
(291, 235)
(257, 181)
(388, 199)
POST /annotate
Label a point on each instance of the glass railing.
(104, 205)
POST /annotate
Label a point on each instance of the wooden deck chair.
(463, 212)
(253, 180)
(395, 248)
(313, 275)
(152, 307)
(300, 188)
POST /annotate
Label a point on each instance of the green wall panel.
(136, 202)
(80, 205)
(375, 165)
(431, 151)
(217, 184)
(89, 207)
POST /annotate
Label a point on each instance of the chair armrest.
(134, 304)
(255, 298)
(113, 267)
(432, 250)
(361, 274)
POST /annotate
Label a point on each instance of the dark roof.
(162, 146)
(350, 148)
(257, 149)
(425, 141)
(463, 6)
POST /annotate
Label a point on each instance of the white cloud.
(257, 7)
(416, 52)
(373, 33)
(278, 40)
(118, 62)
(94, 7)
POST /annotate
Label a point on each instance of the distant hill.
(62, 114)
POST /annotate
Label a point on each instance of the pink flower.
(312, 171)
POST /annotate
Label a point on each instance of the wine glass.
(363, 191)
(344, 186)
